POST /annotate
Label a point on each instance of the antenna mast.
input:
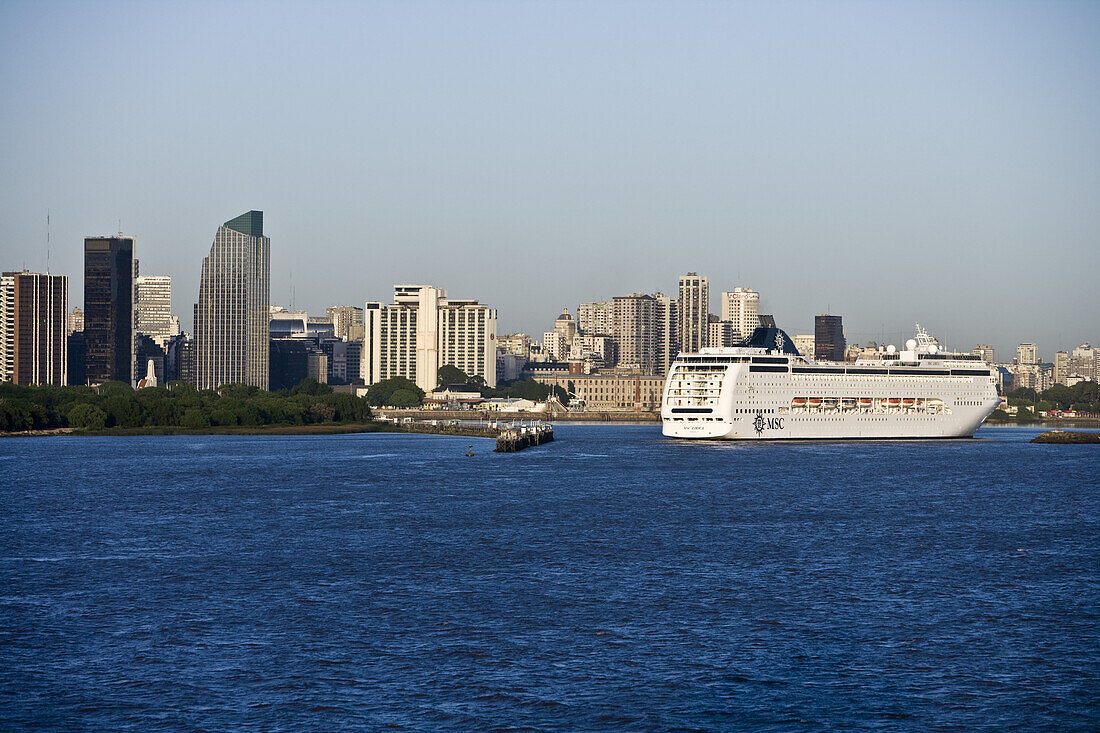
(47, 241)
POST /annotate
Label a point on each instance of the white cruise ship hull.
(758, 394)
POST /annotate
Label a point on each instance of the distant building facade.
(347, 322)
(1027, 354)
(109, 271)
(804, 342)
(829, 342)
(644, 332)
(153, 301)
(232, 313)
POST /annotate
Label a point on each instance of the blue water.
(610, 580)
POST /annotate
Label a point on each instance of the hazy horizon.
(888, 162)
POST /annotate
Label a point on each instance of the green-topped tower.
(231, 315)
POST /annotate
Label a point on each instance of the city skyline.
(893, 165)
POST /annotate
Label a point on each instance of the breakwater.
(517, 438)
(510, 436)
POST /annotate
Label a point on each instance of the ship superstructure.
(765, 390)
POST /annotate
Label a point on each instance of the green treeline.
(179, 405)
(1082, 397)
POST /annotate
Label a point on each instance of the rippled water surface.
(610, 580)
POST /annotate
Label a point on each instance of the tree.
(310, 386)
(405, 398)
(381, 393)
(195, 418)
(450, 374)
(84, 415)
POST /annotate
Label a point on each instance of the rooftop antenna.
(47, 241)
(120, 227)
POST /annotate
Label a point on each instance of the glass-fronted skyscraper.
(231, 315)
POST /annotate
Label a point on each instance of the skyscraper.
(694, 307)
(741, 308)
(595, 318)
(231, 316)
(38, 346)
(153, 301)
(109, 308)
(1027, 354)
(829, 343)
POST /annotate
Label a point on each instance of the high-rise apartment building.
(829, 342)
(595, 319)
(33, 334)
(517, 344)
(556, 345)
(1027, 354)
(153, 300)
(644, 332)
(423, 330)
(231, 316)
(694, 305)
(109, 268)
(741, 308)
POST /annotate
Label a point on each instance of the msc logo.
(761, 423)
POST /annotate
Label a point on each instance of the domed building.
(565, 325)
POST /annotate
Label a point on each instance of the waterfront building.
(34, 327)
(693, 310)
(595, 352)
(595, 319)
(423, 330)
(985, 353)
(829, 343)
(109, 272)
(741, 308)
(347, 322)
(1027, 354)
(615, 390)
(804, 342)
(288, 362)
(76, 321)
(232, 313)
(153, 301)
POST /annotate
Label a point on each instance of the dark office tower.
(109, 309)
(38, 317)
(829, 342)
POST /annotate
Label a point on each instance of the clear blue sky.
(889, 161)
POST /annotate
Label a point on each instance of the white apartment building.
(1027, 354)
(741, 307)
(644, 331)
(721, 333)
(347, 321)
(153, 308)
(423, 330)
(555, 345)
(694, 309)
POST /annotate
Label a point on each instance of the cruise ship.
(765, 390)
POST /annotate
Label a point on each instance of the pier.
(517, 438)
(510, 436)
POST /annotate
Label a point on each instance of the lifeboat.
(865, 401)
(894, 401)
(814, 402)
(800, 400)
(908, 402)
